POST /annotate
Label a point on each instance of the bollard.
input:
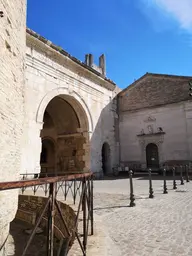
(187, 173)
(174, 180)
(150, 185)
(132, 197)
(181, 175)
(164, 182)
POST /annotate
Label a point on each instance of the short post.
(174, 179)
(164, 182)
(187, 173)
(150, 185)
(132, 197)
(181, 175)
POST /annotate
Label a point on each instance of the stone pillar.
(12, 44)
(87, 153)
(32, 145)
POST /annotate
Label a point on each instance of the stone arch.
(106, 158)
(63, 118)
(80, 106)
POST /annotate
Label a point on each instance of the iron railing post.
(150, 185)
(84, 208)
(74, 192)
(50, 224)
(181, 175)
(174, 179)
(132, 197)
(164, 182)
(91, 198)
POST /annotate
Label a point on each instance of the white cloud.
(180, 10)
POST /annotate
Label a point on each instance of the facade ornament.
(160, 129)
(150, 129)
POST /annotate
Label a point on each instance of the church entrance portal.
(106, 158)
(64, 137)
(152, 156)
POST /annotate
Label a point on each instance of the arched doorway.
(66, 124)
(106, 158)
(152, 156)
(48, 157)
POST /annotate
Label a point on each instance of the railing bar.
(63, 220)
(40, 181)
(80, 202)
(78, 239)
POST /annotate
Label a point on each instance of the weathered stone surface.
(12, 55)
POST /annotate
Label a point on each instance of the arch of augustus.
(69, 103)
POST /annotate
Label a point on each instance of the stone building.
(69, 111)
(155, 121)
(12, 59)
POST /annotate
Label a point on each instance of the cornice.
(63, 58)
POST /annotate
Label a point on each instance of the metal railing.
(81, 183)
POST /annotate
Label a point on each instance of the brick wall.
(154, 90)
(12, 50)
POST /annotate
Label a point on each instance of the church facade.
(155, 122)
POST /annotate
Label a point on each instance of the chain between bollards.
(181, 175)
(150, 185)
(174, 179)
(132, 197)
(164, 182)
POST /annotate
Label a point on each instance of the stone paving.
(161, 226)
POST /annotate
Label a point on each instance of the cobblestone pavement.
(161, 226)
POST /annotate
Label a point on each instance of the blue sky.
(137, 36)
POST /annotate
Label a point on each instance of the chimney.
(102, 64)
(89, 60)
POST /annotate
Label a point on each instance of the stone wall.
(12, 45)
(174, 143)
(50, 73)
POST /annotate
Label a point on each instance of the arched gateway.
(66, 126)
